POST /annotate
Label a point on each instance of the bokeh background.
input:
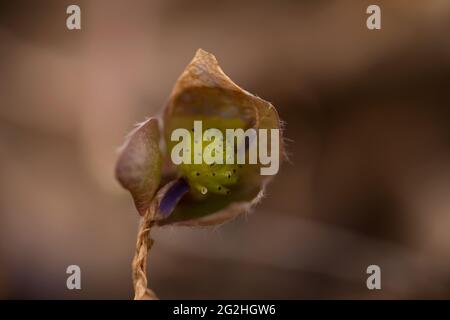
(368, 123)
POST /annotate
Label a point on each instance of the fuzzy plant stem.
(143, 245)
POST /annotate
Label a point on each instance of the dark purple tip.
(172, 196)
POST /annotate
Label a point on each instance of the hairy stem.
(143, 245)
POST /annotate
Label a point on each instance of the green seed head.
(210, 177)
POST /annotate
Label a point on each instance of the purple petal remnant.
(172, 196)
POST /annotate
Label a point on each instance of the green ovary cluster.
(209, 178)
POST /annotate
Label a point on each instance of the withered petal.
(171, 197)
(139, 166)
(204, 89)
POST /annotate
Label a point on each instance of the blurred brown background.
(368, 120)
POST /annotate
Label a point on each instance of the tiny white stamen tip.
(204, 190)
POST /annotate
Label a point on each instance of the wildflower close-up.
(226, 180)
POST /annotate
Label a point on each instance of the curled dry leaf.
(200, 194)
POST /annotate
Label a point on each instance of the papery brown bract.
(139, 166)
